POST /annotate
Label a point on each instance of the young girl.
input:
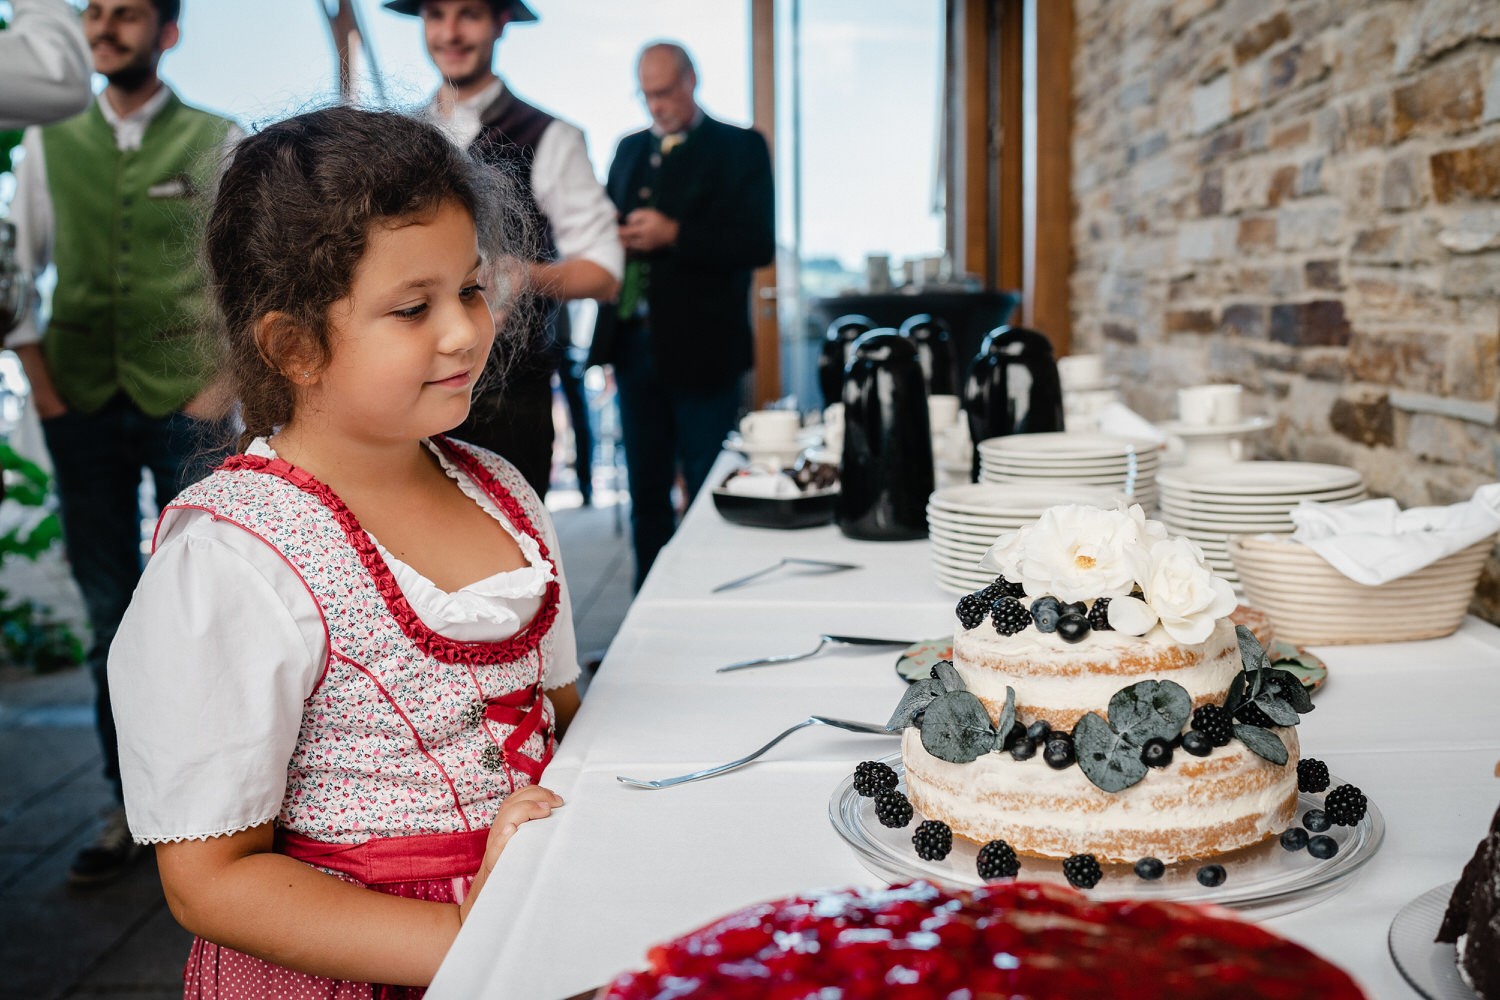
(331, 678)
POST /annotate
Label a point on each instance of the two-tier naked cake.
(1100, 701)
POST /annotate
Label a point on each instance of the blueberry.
(1023, 748)
(1211, 875)
(1196, 743)
(1294, 838)
(1157, 752)
(1059, 753)
(1073, 628)
(1150, 869)
(1076, 608)
(1316, 821)
(1039, 730)
(1045, 611)
(1017, 734)
(1322, 847)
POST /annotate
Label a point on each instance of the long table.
(580, 896)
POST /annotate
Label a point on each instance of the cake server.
(709, 772)
(823, 640)
(823, 564)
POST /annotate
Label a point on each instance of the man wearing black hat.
(580, 257)
(696, 216)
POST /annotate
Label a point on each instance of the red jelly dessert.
(1016, 941)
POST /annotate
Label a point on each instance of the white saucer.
(1246, 426)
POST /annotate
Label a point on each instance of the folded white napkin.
(763, 484)
(1375, 541)
(1117, 418)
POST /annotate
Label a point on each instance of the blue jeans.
(98, 458)
(664, 426)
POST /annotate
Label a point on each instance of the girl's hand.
(531, 802)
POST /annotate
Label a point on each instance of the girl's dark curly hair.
(293, 213)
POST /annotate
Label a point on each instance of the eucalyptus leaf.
(957, 728)
(1252, 653)
(1007, 718)
(1149, 709)
(1279, 711)
(1105, 757)
(1292, 690)
(916, 699)
(1236, 694)
(1262, 742)
(948, 674)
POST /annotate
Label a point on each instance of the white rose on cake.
(1183, 592)
(1077, 553)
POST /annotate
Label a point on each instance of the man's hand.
(646, 230)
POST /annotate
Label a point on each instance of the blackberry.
(1211, 875)
(1157, 752)
(1251, 715)
(872, 777)
(1099, 616)
(1045, 611)
(892, 809)
(1083, 871)
(1212, 721)
(1072, 628)
(1059, 753)
(1345, 805)
(1316, 821)
(932, 839)
(1294, 838)
(1039, 730)
(1150, 869)
(1312, 775)
(1023, 748)
(1010, 616)
(997, 859)
(1008, 588)
(971, 610)
(1197, 744)
(1322, 847)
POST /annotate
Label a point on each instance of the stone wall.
(1304, 197)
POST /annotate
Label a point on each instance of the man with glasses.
(579, 257)
(696, 217)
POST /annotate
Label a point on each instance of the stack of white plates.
(1121, 464)
(1211, 503)
(964, 521)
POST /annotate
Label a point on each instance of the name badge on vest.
(181, 186)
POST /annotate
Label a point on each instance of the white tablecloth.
(581, 896)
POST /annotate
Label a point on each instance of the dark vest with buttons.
(130, 313)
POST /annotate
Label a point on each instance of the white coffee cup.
(942, 411)
(770, 427)
(1209, 405)
(1080, 370)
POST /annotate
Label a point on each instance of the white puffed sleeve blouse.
(222, 643)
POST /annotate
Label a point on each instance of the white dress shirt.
(222, 636)
(44, 64)
(563, 182)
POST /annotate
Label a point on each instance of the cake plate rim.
(1430, 967)
(1275, 896)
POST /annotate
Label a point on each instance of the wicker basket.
(1310, 603)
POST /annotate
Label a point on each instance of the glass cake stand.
(1264, 880)
(1431, 967)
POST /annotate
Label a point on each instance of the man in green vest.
(121, 376)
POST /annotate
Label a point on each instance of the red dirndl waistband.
(379, 860)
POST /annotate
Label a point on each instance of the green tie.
(638, 272)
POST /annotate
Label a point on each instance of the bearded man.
(114, 197)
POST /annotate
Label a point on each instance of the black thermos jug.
(886, 473)
(838, 343)
(934, 344)
(1012, 387)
